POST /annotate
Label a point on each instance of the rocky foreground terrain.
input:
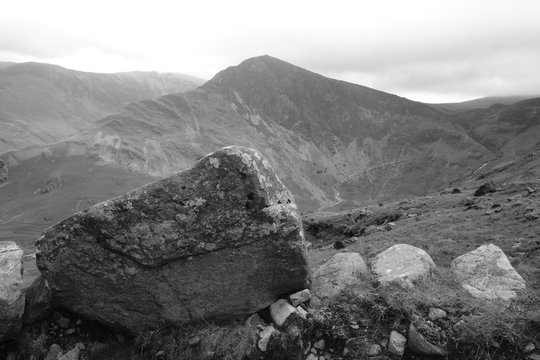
(453, 274)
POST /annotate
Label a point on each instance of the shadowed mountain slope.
(42, 103)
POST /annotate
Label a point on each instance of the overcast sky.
(431, 51)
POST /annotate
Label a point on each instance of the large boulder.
(402, 264)
(486, 273)
(219, 241)
(11, 295)
(343, 271)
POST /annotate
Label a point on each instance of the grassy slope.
(75, 182)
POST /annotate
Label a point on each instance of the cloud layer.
(430, 51)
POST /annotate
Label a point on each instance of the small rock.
(308, 348)
(80, 345)
(436, 314)
(396, 343)
(390, 226)
(195, 340)
(72, 354)
(97, 347)
(383, 343)
(374, 350)
(346, 351)
(530, 190)
(301, 312)
(78, 322)
(312, 356)
(529, 348)
(61, 320)
(54, 352)
(498, 210)
(486, 188)
(419, 345)
(70, 331)
(354, 326)
(264, 337)
(300, 297)
(160, 353)
(319, 344)
(338, 245)
(280, 311)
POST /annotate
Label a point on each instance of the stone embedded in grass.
(487, 274)
(436, 314)
(485, 189)
(374, 350)
(219, 241)
(419, 344)
(342, 271)
(402, 264)
(11, 294)
(396, 343)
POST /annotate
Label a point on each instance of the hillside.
(330, 140)
(480, 103)
(512, 133)
(41, 103)
(334, 144)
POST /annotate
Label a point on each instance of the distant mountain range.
(481, 103)
(333, 143)
(42, 104)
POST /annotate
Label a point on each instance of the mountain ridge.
(45, 103)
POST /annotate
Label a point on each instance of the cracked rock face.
(219, 241)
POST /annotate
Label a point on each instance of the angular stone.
(55, 351)
(72, 354)
(38, 301)
(487, 274)
(11, 294)
(419, 345)
(396, 343)
(280, 311)
(436, 314)
(342, 271)
(300, 297)
(486, 188)
(219, 241)
(301, 312)
(402, 263)
(264, 337)
(374, 350)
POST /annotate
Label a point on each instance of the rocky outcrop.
(342, 271)
(486, 273)
(11, 295)
(219, 241)
(403, 264)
